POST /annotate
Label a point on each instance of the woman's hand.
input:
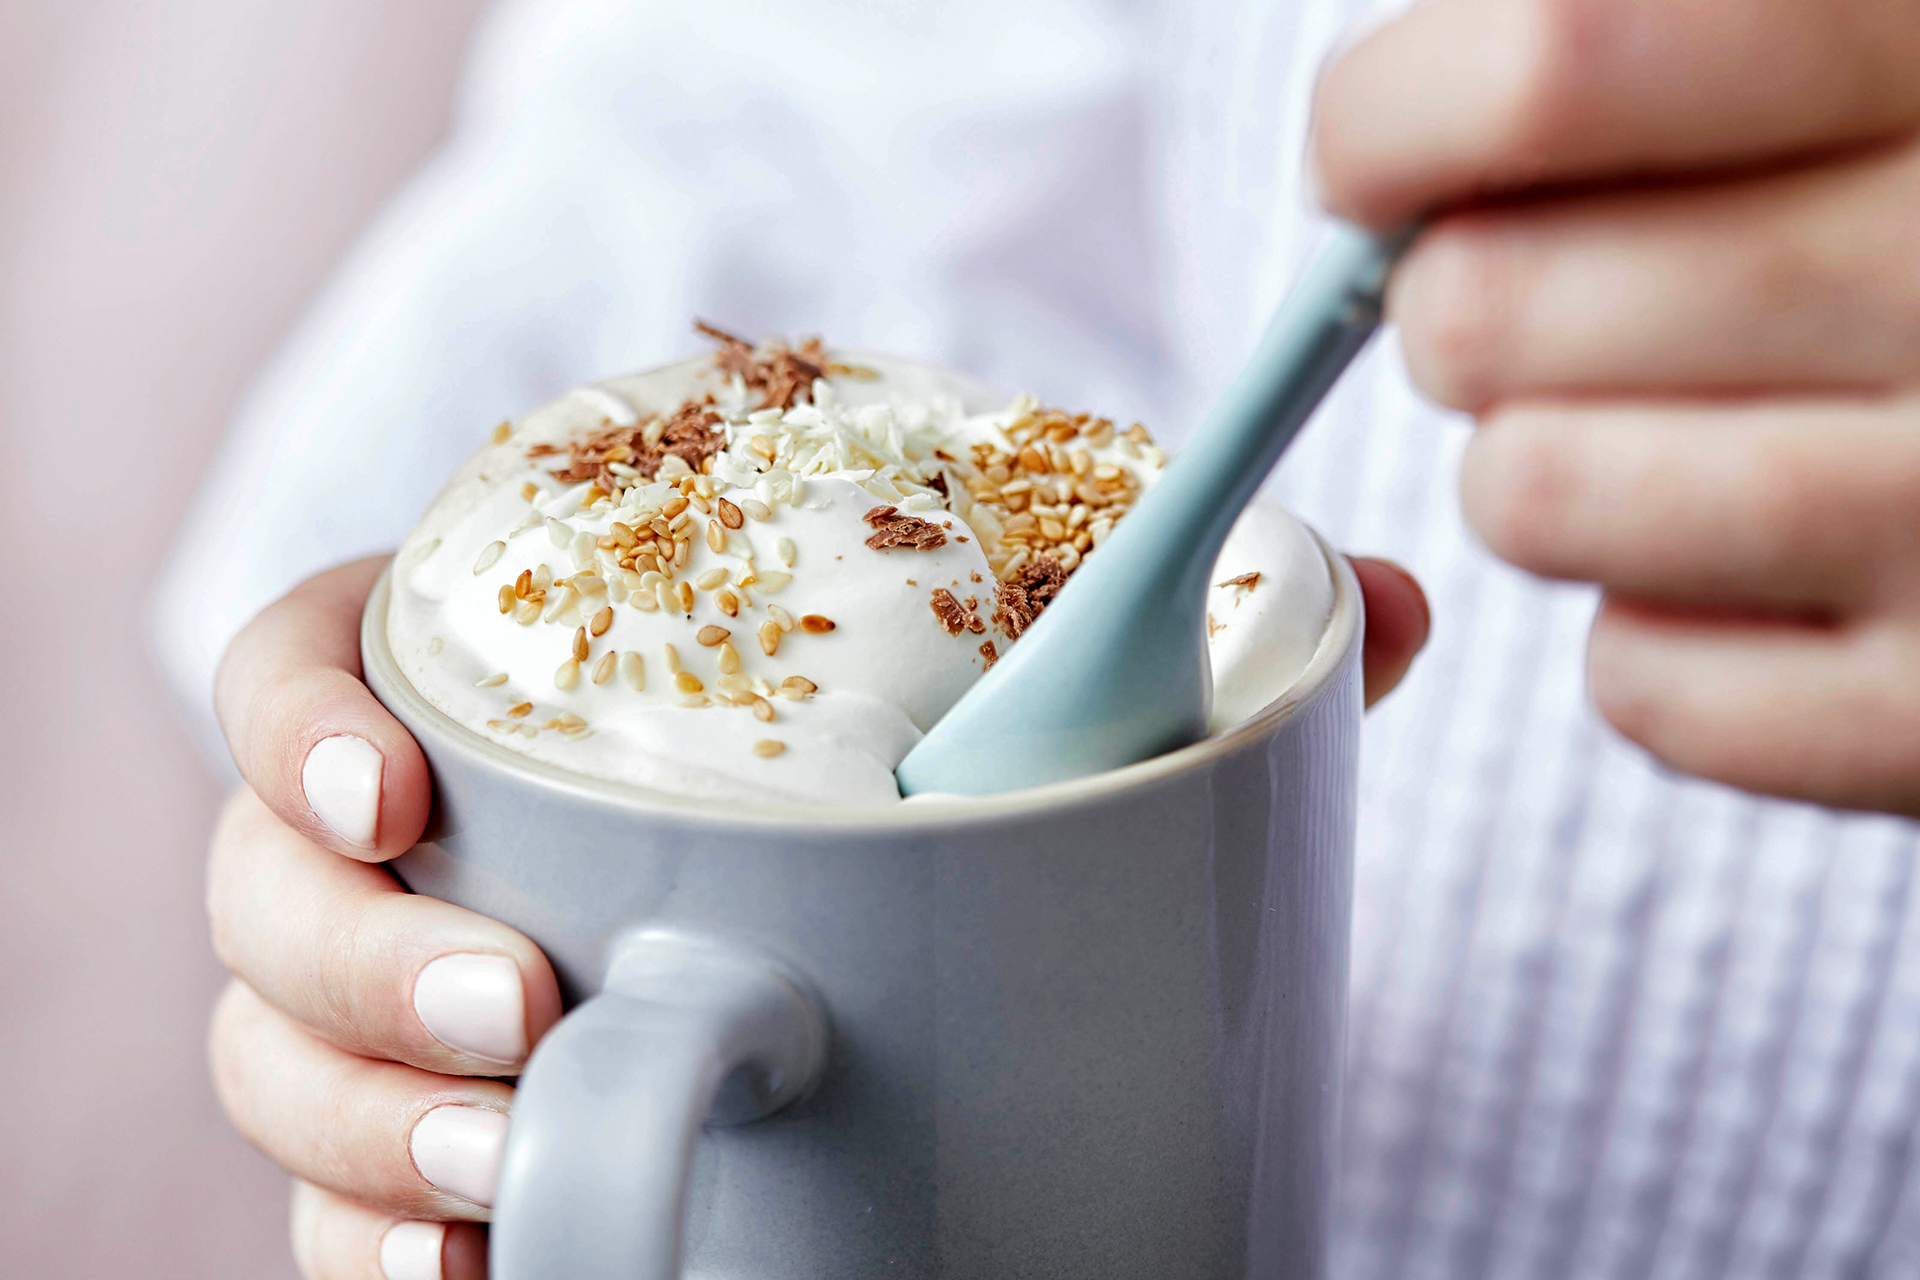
(1673, 267)
(354, 1044)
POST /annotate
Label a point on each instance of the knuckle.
(1538, 104)
(1791, 492)
(1457, 300)
(1518, 481)
(228, 1056)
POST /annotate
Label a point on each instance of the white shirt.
(1605, 1021)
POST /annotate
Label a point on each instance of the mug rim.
(1338, 643)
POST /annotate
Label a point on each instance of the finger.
(336, 1239)
(393, 1137)
(1801, 507)
(341, 948)
(1802, 279)
(1398, 621)
(306, 733)
(1830, 715)
(1458, 98)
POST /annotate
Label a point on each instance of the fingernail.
(342, 780)
(457, 1149)
(411, 1250)
(474, 1004)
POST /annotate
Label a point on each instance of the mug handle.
(593, 1182)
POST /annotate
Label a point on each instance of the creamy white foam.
(827, 715)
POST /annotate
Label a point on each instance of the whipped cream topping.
(663, 580)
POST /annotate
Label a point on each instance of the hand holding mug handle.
(687, 1031)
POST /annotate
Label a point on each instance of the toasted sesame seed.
(771, 580)
(560, 533)
(786, 551)
(770, 638)
(633, 669)
(580, 646)
(762, 709)
(528, 731)
(727, 602)
(762, 446)
(799, 684)
(523, 585)
(603, 669)
(520, 709)
(506, 599)
(695, 700)
(756, 509)
(542, 577)
(711, 636)
(623, 534)
(601, 621)
(488, 682)
(489, 556)
(644, 599)
(501, 726)
(710, 579)
(501, 432)
(729, 659)
(567, 674)
(814, 624)
(568, 720)
(660, 526)
(781, 618)
(529, 491)
(527, 613)
(682, 552)
(680, 523)
(730, 515)
(768, 748)
(687, 682)
(663, 594)
(683, 592)
(673, 659)
(716, 537)
(699, 504)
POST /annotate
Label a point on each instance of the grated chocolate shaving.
(692, 432)
(955, 616)
(1247, 580)
(1018, 602)
(780, 375)
(892, 529)
(991, 654)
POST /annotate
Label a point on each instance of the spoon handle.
(1324, 322)
(1116, 669)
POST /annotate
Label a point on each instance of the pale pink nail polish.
(341, 778)
(458, 1149)
(474, 1004)
(411, 1251)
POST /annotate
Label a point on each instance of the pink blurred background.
(176, 176)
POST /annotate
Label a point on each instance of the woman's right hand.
(355, 1043)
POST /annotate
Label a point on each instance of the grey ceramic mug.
(1092, 1029)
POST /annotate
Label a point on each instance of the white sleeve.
(616, 169)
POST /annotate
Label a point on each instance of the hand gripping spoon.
(1116, 669)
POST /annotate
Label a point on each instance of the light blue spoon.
(1116, 669)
